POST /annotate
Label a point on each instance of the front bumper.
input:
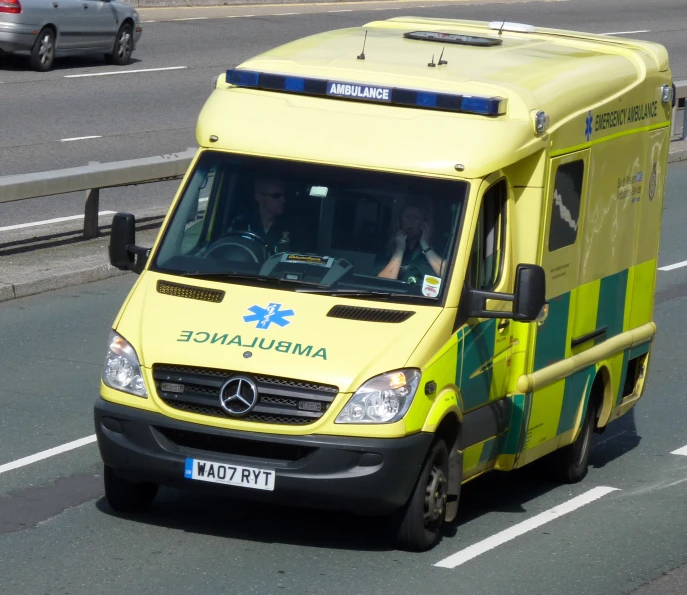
(362, 475)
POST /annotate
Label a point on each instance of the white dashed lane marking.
(672, 267)
(521, 528)
(39, 456)
(76, 76)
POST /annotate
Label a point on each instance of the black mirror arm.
(478, 297)
(141, 256)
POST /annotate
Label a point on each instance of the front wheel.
(421, 520)
(123, 46)
(43, 51)
(127, 496)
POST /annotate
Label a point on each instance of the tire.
(123, 46)
(571, 463)
(420, 521)
(127, 496)
(43, 51)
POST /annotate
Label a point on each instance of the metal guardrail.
(92, 178)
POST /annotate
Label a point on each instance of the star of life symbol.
(273, 314)
(588, 129)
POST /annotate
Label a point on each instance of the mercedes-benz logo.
(238, 395)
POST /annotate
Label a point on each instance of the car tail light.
(10, 6)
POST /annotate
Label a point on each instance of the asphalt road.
(58, 535)
(152, 113)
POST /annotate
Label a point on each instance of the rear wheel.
(123, 46)
(571, 463)
(43, 51)
(128, 496)
(420, 521)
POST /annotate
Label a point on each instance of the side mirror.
(124, 253)
(530, 292)
(528, 299)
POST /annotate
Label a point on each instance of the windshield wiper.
(356, 293)
(246, 277)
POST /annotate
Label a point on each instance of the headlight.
(381, 400)
(122, 370)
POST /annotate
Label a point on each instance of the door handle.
(85, 6)
(55, 4)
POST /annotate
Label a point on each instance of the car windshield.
(314, 228)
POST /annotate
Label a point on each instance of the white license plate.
(245, 477)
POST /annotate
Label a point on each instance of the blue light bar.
(486, 106)
(469, 104)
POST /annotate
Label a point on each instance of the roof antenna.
(502, 26)
(442, 54)
(362, 54)
(432, 64)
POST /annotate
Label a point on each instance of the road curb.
(52, 282)
(678, 155)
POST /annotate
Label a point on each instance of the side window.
(485, 265)
(197, 211)
(565, 208)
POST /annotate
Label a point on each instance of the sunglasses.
(275, 195)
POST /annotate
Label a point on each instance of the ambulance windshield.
(304, 227)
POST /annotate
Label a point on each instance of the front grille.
(280, 400)
(194, 442)
(190, 292)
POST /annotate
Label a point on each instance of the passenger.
(410, 254)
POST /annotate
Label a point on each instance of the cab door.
(66, 14)
(487, 344)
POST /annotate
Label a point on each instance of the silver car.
(44, 29)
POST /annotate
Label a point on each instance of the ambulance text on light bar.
(485, 106)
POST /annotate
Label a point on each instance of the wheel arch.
(602, 397)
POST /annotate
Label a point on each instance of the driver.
(410, 254)
(268, 221)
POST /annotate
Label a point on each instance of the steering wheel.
(243, 246)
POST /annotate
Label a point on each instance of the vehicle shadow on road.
(214, 516)
(12, 63)
(208, 514)
(510, 492)
(620, 438)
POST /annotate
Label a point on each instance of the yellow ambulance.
(405, 254)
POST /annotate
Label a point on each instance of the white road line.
(671, 267)
(49, 221)
(680, 451)
(149, 21)
(67, 140)
(282, 14)
(515, 531)
(76, 76)
(627, 32)
(47, 453)
(192, 19)
(344, 10)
